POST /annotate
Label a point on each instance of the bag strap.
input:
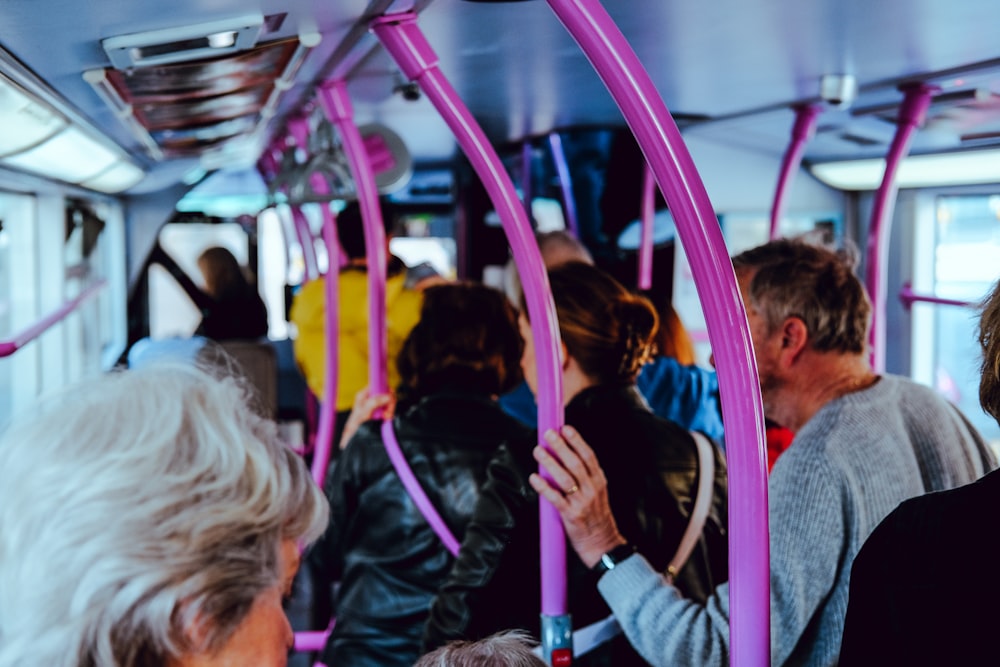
(413, 488)
(591, 636)
(702, 503)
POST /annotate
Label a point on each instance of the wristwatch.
(612, 558)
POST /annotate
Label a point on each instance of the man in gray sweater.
(864, 443)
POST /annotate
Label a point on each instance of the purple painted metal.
(565, 183)
(526, 194)
(646, 240)
(908, 297)
(415, 491)
(802, 131)
(30, 333)
(310, 641)
(912, 111)
(337, 106)
(323, 444)
(304, 235)
(678, 179)
(403, 40)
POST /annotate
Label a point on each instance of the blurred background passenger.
(149, 519)
(462, 353)
(308, 314)
(651, 465)
(236, 309)
(504, 649)
(673, 386)
(924, 583)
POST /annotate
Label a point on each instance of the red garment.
(778, 440)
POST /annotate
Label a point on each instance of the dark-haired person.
(462, 353)
(308, 314)
(924, 585)
(236, 309)
(652, 466)
(863, 443)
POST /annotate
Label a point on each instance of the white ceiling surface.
(521, 74)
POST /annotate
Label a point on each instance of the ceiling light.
(915, 171)
(70, 156)
(26, 122)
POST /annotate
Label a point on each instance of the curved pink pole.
(646, 240)
(657, 135)
(408, 47)
(337, 106)
(565, 183)
(912, 111)
(802, 131)
(304, 235)
(323, 447)
(33, 331)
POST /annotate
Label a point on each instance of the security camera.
(838, 90)
(410, 91)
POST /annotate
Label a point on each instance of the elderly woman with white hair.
(149, 518)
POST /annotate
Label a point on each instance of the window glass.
(966, 255)
(19, 373)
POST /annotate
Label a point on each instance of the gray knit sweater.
(848, 467)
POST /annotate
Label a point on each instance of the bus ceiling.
(146, 94)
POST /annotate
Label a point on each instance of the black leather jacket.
(388, 559)
(651, 468)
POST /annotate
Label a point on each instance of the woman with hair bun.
(651, 465)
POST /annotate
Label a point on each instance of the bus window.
(19, 373)
(960, 263)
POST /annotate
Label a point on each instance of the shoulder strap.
(702, 503)
(413, 488)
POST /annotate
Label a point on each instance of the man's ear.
(794, 337)
(563, 355)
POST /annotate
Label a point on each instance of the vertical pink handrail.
(407, 45)
(526, 192)
(565, 183)
(646, 239)
(337, 106)
(802, 131)
(304, 235)
(912, 111)
(33, 331)
(657, 135)
(323, 446)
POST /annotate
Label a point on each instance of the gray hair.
(136, 507)
(795, 279)
(505, 649)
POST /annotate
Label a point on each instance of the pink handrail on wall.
(408, 47)
(33, 331)
(658, 136)
(912, 111)
(908, 297)
(802, 131)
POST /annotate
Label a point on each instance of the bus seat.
(254, 361)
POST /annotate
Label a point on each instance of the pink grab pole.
(646, 240)
(802, 131)
(406, 44)
(337, 106)
(33, 331)
(908, 297)
(323, 446)
(913, 110)
(657, 135)
(565, 183)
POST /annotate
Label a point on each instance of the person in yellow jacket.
(308, 313)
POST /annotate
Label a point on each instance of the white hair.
(137, 508)
(512, 648)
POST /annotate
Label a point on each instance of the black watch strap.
(612, 558)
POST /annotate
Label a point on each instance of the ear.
(563, 355)
(794, 338)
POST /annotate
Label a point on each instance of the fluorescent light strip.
(915, 171)
(70, 156)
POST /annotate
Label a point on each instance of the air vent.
(172, 45)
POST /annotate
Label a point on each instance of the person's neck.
(574, 381)
(823, 377)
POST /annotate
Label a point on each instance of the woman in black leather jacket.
(463, 353)
(651, 465)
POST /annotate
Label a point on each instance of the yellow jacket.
(308, 314)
